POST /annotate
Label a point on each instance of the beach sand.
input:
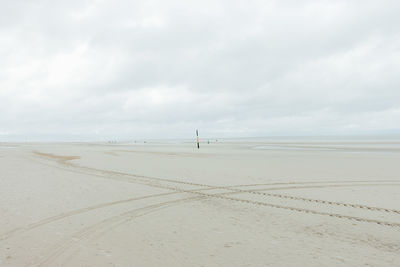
(260, 203)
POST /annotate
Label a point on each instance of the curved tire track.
(155, 182)
(106, 225)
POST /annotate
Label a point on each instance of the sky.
(124, 70)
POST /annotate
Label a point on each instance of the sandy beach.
(242, 203)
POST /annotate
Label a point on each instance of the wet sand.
(281, 203)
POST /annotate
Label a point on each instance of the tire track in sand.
(106, 225)
(115, 221)
(20, 230)
(155, 182)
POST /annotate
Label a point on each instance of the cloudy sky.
(98, 70)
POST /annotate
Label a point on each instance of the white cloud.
(126, 69)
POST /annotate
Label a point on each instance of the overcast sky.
(98, 70)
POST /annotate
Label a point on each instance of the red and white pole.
(197, 134)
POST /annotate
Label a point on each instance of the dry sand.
(227, 204)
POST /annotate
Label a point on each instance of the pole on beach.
(197, 134)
